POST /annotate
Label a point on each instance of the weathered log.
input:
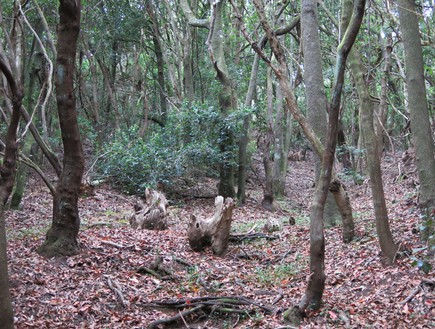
(215, 230)
(151, 214)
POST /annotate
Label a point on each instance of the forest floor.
(104, 286)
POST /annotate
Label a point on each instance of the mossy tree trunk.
(61, 238)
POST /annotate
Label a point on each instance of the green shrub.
(188, 145)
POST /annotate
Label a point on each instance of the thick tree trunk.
(314, 90)
(7, 176)
(418, 109)
(215, 230)
(388, 247)
(62, 236)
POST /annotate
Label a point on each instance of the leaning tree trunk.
(61, 238)
(227, 100)
(227, 97)
(388, 247)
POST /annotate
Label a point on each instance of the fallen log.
(214, 231)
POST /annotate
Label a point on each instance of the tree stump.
(151, 214)
(214, 231)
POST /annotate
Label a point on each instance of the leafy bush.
(188, 145)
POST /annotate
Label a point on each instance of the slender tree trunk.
(159, 59)
(418, 109)
(268, 195)
(244, 139)
(388, 247)
(62, 236)
(381, 115)
(227, 100)
(316, 282)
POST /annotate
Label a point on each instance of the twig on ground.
(116, 288)
(114, 244)
(250, 236)
(411, 295)
(175, 318)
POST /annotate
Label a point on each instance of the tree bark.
(279, 70)
(418, 109)
(61, 238)
(316, 282)
(7, 176)
(227, 98)
(388, 247)
(314, 90)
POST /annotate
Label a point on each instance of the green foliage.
(186, 146)
(275, 274)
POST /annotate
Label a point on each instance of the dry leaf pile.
(126, 278)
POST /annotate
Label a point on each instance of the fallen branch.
(210, 301)
(116, 288)
(411, 295)
(251, 236)
(114, 244)
(223, 304)
(175, 318)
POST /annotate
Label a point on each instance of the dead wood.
(151, 214)
(210, 304)
(179, 316)
(157, 269)
(215, 230)
(237, 238)
(116, 288)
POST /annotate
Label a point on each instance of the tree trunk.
(227, 97)
(418, 109)
(268, 195)
(388, 247)
(61, 238)
(159, 60)
(244, 138)
(314, 90)
(316, 282)
(279, 70)
(7, 176)
(215, 230)
(227, 100)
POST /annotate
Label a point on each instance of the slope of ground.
(106, 286)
